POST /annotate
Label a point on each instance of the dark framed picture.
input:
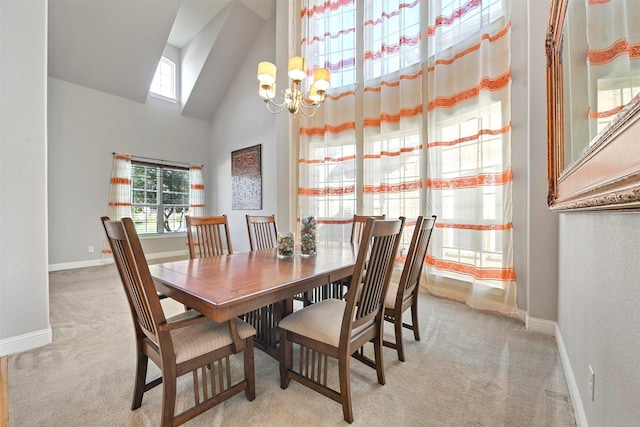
(246, 178)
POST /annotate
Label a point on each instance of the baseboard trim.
(578, 408)
(26, 341)
(97, 262)
(542, 326)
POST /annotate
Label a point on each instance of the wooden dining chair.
(208, 236)
(339, 329)
(357, 228)
(403, 294)
(339, 288)
(186, 343)
(263, 233)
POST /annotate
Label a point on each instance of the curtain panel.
(469, 177)
(196, 191)
(417, 122)
(119, 201)
(327, 156)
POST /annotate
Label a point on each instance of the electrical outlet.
(592, 382)
(90, 249)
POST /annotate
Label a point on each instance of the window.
(374, 168)
(160, 198)
(164, 81)
(391, 37)
(331, 41)
(460, 20)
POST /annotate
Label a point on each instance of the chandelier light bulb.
(314, 95)
(267, 91)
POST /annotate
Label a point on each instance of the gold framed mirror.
(593, 135)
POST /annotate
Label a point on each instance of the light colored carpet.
(470, 369)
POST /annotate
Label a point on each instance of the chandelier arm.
(309, 109)
(274, 107)
(308, 112)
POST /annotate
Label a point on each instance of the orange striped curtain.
(196, 191)
(469, 176)
(392, 181)
(613, 58)
(119, 204)
(327, 157)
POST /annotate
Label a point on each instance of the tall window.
(164, 81)
(160, 198)
(423, 129)
(384, 51)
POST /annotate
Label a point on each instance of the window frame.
(173, 77)
(159, 206)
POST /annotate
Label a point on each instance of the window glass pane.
(145, 219)
(160, 198)
(175, 187)
(164, 80)
(391, 36)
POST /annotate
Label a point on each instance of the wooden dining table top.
(227, 286)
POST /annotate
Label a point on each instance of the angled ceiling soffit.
(211, 59)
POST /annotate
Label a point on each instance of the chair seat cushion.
(321, 321)
(392, 293)
(204, 337)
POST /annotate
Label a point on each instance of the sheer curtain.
(417, 122)
(613, 59)
(327, 157)
(119, 203)
(392, 181)
(196, 191)
(469, 175)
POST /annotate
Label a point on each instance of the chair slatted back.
(376, 254)
(134, 272)
(208, 236)
(412, 270)
(358, 226)
(263, 233)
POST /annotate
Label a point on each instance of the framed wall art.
(246, 178)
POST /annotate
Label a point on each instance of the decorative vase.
(308, 236)
(286, 244)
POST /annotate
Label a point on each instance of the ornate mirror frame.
(607, 174)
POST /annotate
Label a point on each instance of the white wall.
(599, 315)
(85, 128)
(24, 282)
(542, 231)
(243, 121)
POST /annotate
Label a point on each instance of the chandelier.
(292, 98)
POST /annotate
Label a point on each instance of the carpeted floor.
(470, 369)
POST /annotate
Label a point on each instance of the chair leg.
(249, 370)
(141, 376)
(397, 325)
(345, 387)
(377, 348)
(169, 395)
(286, 359)
(414, 319)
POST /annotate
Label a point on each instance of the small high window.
(164, 81)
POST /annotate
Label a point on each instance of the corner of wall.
(578, 408)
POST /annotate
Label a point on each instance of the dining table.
(257, 286)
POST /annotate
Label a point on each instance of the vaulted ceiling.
(115, 46)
